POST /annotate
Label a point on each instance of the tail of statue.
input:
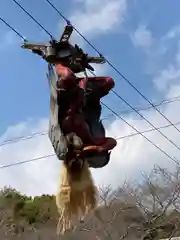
(77, 195)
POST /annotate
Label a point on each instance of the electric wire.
(156, 146)
(13, 29)
(128, 104)
(174, 144)
(172, 158)
(27, 161)
(138, 132)
(30, 15)
(110, 64)
(38, 134)
(53, 6)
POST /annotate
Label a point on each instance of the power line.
(174, 144)
(22, 138)
(13, 29)
(24, 10)
(122, 99)
(146, 131)
(111, 65)
(137, 133)
(53, 6)
(25, 137)
(173, 159)
(163, 102)
(27, 161)
(20, 35)
(38, 134)
(80, 34)
(157, 104)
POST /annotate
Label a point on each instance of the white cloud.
(170, 74)
(96, 17)
(166, 76)
(162, 55)
(130, 157)
(142, 37)
(99, 16)
(34, 177)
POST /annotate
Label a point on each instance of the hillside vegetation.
(149, 210)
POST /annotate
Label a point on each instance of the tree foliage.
(148, 210)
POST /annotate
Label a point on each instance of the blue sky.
(24, 89)
(140, 37)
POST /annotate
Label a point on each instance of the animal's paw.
(76, 141)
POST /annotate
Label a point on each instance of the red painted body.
(73, 120)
